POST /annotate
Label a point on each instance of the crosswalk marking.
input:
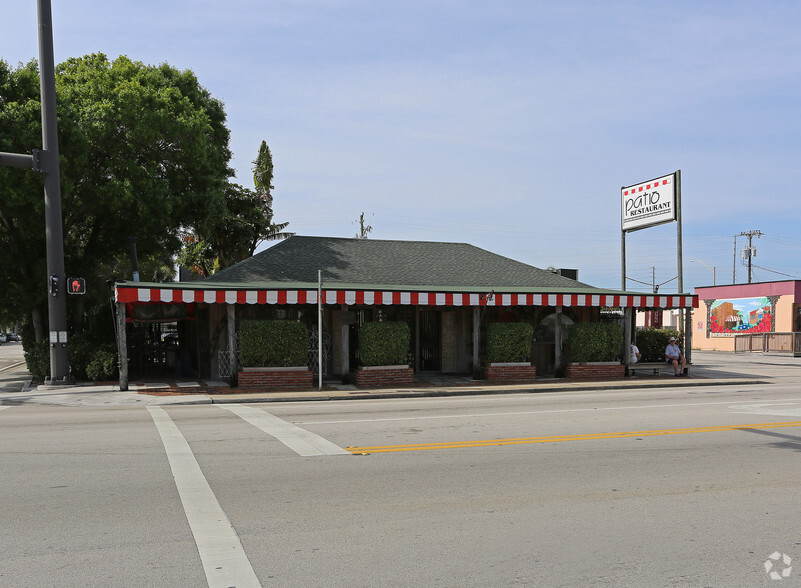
(298, 440)
(222, 554)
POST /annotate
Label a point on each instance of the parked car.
(3, 338)
(12, 337)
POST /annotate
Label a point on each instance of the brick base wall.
(380, 376)
(589, 371)
(277, 378)
(510, 372)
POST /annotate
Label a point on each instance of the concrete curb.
(462, 391)
(87, 394)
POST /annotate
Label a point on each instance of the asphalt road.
(657, 487)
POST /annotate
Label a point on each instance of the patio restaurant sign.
(649, 203)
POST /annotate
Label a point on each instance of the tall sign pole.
(46, 162)
(647, 204)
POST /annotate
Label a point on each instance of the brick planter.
(377, 376)
(510, 372)
(604, 370)
(276, 378)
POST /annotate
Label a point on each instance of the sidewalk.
(711, 369)
(150, 394)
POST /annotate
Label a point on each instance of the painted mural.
(739, 316)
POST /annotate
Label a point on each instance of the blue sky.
(509, 125)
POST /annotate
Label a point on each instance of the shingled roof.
(377, 264)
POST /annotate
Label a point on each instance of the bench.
(656, 366)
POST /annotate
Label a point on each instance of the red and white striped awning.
(132, 294)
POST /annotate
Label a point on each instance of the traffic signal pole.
(46, 162)
(57, 302)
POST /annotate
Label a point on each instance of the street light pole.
(714, 280)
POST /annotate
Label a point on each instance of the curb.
(451, 392)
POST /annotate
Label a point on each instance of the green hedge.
(509, 342)
(37, 356)
(88, 360)
(103, 366)
(652, 342)
(273, 344)
(385, 343)
(595, 342)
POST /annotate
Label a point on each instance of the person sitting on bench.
(674, 357)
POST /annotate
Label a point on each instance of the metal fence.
(785, 343)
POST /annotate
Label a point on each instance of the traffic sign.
(76, 286)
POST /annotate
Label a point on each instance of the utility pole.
(46, 162)
(750, 235)
(363, 230)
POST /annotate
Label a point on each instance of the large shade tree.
(246, 222)
(144, 153)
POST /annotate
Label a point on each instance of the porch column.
(230, 309)
(417, 339)
(476, 340)
(557, 347)
(688, 336)
(122, 347)
(628, 315)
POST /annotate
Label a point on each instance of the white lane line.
(4, 407)
(519, 412)
(222, 554)
(298, 440)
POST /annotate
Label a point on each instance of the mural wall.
(739, 316)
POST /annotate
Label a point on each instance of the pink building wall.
(785, 318)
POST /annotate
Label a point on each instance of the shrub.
(37, 356)
(652, 342)
(595, 342)
(509, 342)
(273, 343)
(103, 366)
(385, 343)
(80, 352)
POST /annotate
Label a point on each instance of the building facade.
(446, 292)
(734, 314)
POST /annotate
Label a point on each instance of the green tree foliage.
(263, 170)
(144, 152)
(245, 222)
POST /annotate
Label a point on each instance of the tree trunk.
(38, 324)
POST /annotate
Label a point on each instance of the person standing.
(674, 357)
(634, 354)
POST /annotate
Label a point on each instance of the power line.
(775, 272)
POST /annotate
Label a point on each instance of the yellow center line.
(560, 438)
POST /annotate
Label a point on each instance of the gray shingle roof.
(377, 264)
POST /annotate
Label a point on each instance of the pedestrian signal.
(76, 286)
